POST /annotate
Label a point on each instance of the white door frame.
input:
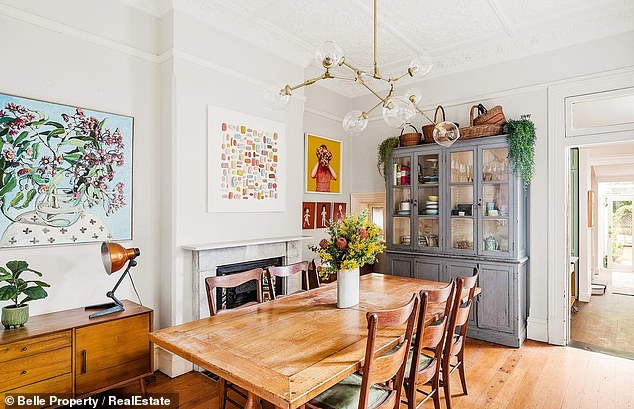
(559, 144)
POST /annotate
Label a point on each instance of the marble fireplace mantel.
(207, 257)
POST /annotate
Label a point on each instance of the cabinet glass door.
(495, 201)
(402, 204)
(429, 201)
(461, 188)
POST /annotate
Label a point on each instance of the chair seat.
(346, 394)
(424, 362)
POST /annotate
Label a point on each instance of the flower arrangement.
(353, 242)
(39, 155)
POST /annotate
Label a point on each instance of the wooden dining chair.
(457, 333)
(290, 270)
(381, 380)
(318, 265)
(423, 366)
(231, 281)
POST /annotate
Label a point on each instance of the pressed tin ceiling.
(459, 34)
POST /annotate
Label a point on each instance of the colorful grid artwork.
(246, 163)
(249, 163)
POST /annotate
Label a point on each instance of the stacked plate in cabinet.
(431, 206)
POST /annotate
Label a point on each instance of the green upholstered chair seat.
(424, 362)
(346, 394)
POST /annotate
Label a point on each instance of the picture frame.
(323, 212)
(308, 215)
(73, 186)
(339, 210)
(323, 161)
(246, 163)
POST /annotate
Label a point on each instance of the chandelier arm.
(352, 67)
(399, 77)
(343, 78)
(374, 92)
(425, 115)
(376, 66)
(286, 90)
(374, 107)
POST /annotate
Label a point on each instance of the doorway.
(601, 195)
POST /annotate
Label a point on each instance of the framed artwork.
(246, 163)
(308, 215)
(339, 211)
(324, 214)
(323, 159)
(66, 174)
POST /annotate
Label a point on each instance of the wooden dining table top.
(289, 350)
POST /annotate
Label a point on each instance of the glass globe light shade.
(276, 99)
(414, 95)
(420, 66)
(446, 133)
(355, 122)
(329, 54)
(397, 111)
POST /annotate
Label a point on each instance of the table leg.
(253, 401)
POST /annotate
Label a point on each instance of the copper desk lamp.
(114, 256)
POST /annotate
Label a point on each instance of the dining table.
(289, 350)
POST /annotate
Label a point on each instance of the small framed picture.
(308, 215)
(324, 214)
(338, 211)
(324, 163)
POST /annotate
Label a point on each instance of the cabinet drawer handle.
(24, 349)
(24, 372)
(83, 361)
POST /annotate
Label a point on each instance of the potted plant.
(521, 137)
(353, 242)
(383, 152)
(14, 286)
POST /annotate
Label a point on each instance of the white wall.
(214, 68)
(520, 86)
(99, 56)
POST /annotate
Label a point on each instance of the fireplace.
(229, 298)
(208, 258)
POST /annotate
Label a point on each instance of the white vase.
(348, 288)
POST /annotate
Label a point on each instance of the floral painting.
(246, 163)
(66, 174)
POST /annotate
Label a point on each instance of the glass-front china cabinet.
(455, 209)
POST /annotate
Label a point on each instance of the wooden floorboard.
(534, 376)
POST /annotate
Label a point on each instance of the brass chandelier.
(397, 110)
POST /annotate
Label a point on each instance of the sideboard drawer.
(60, 385)
(35, 368)
(32, 346)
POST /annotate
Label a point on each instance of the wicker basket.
(478, 131)
(409, 139)
(428, 130)
(493, 116)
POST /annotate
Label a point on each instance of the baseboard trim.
(585, 297)
(172, 365)
(537, 329)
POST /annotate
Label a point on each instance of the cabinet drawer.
(34, 346)
(111, 352)
(30, 369)
(60, 385)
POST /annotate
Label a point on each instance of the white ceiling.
(458, 34)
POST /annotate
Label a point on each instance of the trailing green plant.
(384, 150)
(15, 285)
(521, 137)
